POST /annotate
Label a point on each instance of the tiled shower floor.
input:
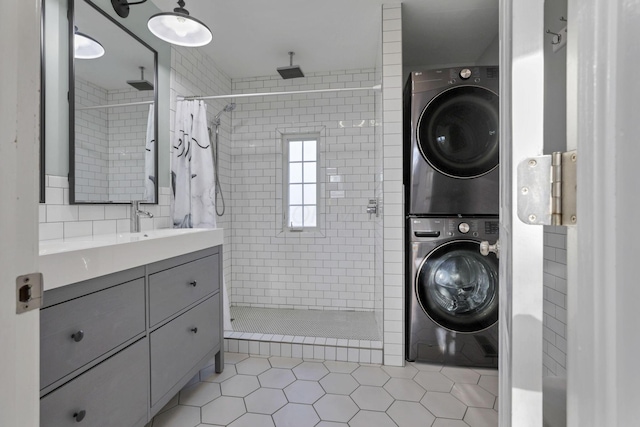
(308, 323)
(257, 391)
(321, 335)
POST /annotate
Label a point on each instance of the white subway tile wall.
(110, 143)
(195, 73)
(127, 140)
(393, 224)
(60, 220)
(555, 302)
(328, 270)
(91, 143)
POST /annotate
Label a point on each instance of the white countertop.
(67, 261)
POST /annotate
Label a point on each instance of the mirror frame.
(43, 74)
(72, 135)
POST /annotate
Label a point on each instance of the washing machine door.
(457, 287)
(457, 132)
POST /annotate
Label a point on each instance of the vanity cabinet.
(180, 345)
(115, 349)
(111, 394)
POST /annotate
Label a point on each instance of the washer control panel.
(427, 229)
(460, 226)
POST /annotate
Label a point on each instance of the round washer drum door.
(458, 132)
(457, 287)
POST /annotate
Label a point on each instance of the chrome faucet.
(134, 217)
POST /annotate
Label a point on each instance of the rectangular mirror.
(113, 114)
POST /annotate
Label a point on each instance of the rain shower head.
(141, 84)
(292, 71)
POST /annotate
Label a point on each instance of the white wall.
(59, 219)
(555, 302)
(393, 213)
(329, 270)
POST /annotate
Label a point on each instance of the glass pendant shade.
(86, 47)
(179, 29)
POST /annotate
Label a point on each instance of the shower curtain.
(192, 176)
(149, 159)
(192, 168)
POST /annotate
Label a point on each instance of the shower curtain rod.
(296, 92)
(96, 107)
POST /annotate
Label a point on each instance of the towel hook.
(557, 38)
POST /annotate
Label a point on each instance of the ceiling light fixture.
(179, 28)
(85, 47)
(121, 7)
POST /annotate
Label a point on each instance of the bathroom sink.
(67, 261)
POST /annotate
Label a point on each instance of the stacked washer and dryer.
(452, 196)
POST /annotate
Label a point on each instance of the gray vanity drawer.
(176, 348)
(106, 318)
(112, 394)
(173, 289)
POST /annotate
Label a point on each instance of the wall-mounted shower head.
(141, 84)
(227, 109)
(292, 71)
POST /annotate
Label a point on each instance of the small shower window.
(301, 182)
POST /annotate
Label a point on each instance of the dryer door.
(457, 132)
(458, 288)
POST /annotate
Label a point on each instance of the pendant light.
(85, 47)
(179, 28)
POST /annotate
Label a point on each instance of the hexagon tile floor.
(286, 392)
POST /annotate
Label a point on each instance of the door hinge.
(29, 292)
(547, 189)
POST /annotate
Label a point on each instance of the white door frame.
(19, 186)
(603, 282)
(521, 254)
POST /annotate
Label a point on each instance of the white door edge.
(19, 193)
(521, 258)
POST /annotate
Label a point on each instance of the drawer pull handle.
(194, 330)
(77, 337)
(193, 283)
(79, 416)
